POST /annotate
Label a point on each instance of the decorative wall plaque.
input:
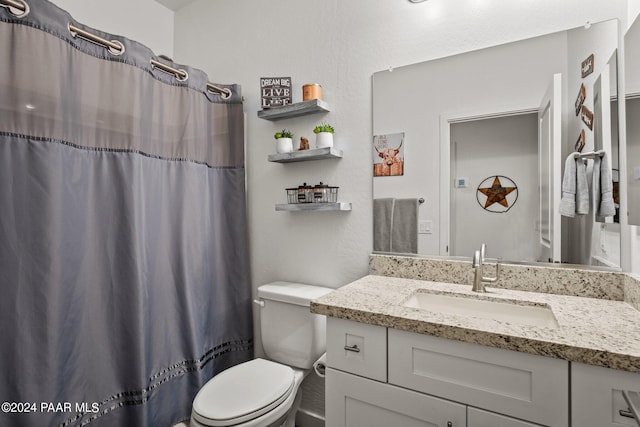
(587, 66)
(582, 95)
(580, 142)
(587, 116)
(275, 91)
(494, 197)
(388, 154)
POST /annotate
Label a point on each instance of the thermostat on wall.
(460, 183)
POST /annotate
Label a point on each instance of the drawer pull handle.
(449, 424)
(626, 413)
(633, 400)
(354, 348)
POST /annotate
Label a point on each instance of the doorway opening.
(494, 196)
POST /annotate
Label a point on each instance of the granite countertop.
(589, 330)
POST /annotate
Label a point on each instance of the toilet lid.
(243, 392)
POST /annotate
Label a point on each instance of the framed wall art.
(388, 154)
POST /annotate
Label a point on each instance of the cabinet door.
(596, 396)
(353, 401)
(479, 418)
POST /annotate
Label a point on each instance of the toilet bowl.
(261, 392)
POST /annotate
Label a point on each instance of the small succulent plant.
(323, 128)
(283, 134)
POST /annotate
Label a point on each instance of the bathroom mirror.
(632, 99)
(485, 138)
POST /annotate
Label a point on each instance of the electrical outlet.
(425, 227)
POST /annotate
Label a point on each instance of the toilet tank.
(291, 334)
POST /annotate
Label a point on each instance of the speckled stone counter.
(596, 331)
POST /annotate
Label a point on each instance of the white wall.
(339, 44)
(145, 21)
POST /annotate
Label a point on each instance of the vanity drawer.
(596, 396)
(357, 348)
(532, 388)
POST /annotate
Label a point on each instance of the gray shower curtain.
(124, 276)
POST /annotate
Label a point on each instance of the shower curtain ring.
(224, 92)
(18, 8)
(114, 47)
(180, 74)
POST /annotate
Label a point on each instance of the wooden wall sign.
(580, 142)
(587, 66)
(275, 91)
(582, 95)
(587, 116)
(388, 154)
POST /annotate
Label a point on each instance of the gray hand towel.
(604, 190)
(382, 217)
(568, 201)
(404, 227)
(582, 188)
(575, 189)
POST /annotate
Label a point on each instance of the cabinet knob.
(449, 424)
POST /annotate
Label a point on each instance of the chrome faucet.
(478, 264)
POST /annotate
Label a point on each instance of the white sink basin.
(531, 314)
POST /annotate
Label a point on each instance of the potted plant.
(284, 141)
(324, 135)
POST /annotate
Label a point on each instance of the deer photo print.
(388, 154)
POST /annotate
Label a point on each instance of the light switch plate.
(425, 227)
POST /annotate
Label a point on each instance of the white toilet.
(264, 393)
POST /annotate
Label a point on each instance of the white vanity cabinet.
(360, 402)
(596, 396)
(397, 378)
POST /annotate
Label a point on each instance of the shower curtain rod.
(114, 47)
(20, 5)
(13, 3)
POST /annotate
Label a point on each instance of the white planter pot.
(324, 139)
(284, 145)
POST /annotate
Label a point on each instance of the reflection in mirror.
(632, 100)
(486, 135)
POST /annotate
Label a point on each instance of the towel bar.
(590, 154)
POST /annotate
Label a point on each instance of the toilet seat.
(243, 393)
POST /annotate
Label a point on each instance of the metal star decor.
(496, 195)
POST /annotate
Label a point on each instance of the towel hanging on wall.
(575, 189)
(395, 225)
(603, 187)
(404, 227)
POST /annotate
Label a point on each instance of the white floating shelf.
(300, 207)
(304, 155)
(294, 110)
